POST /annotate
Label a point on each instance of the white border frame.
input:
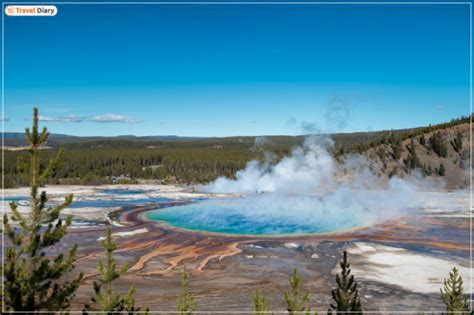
(251, 3)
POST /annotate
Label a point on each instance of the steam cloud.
(309, 187)
(308, 169)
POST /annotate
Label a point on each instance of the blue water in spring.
(16, 198)
(116, 191)
(258, 216)
(103, 203)
(115, 203)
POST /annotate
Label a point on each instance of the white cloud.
(108, 118)
(68, 118)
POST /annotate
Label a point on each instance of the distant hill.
(13, 139)
(18, 138)
(439, 152)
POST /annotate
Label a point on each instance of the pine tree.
(382, 155)
(32, 277)
(422, 140)
(453, 295)
(105, 299)
(260, 303)
(412, 160)
(438, 145)
(396, 145)
(457, 142)
(346, 295)
(441, 170)
(186, 303)
(429, 170)
(295, 303)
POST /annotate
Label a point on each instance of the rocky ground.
(399, 264)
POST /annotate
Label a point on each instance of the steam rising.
(306, 191)
(309, 169)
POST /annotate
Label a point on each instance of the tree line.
(394, 138)
(109, 161)
(101, 166)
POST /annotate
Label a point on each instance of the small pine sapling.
(186, 304)
(346, 295)
(105, 299)
(260, 303)
(453, 295)
(295, 302)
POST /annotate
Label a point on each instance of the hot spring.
(307, 192)
(277, 214)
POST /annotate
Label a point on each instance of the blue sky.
(222, 70)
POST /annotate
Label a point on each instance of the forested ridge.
(100, 165)
(198, 160)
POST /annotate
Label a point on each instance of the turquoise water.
(106, 203)
(101, 203)
(16, 198)
(267, 215)
(118, 191)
